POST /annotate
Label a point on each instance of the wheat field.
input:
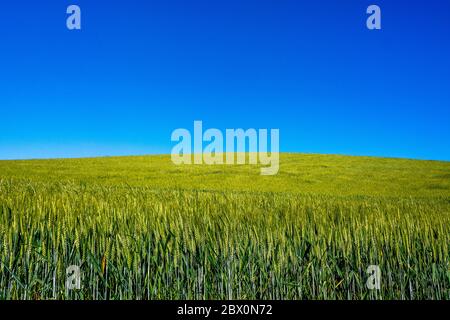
(143, 228)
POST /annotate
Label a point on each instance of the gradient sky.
(140, 69)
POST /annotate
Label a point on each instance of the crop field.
(143, 228)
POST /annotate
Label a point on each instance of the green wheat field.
(144, 228)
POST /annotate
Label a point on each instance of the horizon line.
(168, 155)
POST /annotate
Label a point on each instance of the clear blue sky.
(140, 69)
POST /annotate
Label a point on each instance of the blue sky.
(140, 69)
